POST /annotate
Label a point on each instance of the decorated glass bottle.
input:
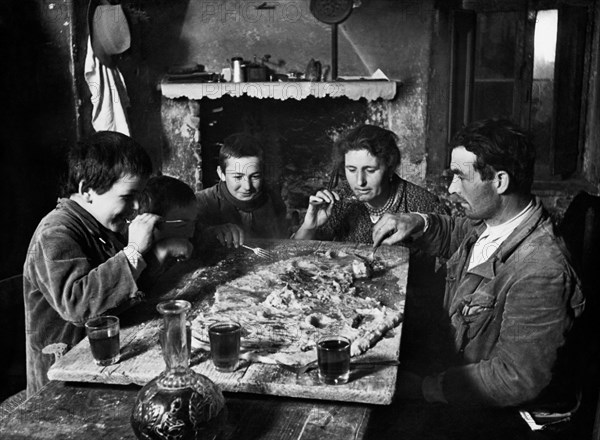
(179, 404)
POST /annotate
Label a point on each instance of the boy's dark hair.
(381, 143)
(102, 159)
(500, 145)
(239, 145)
(163, 193)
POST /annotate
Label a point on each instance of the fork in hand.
(262, 253)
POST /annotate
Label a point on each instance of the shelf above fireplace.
(370, 90)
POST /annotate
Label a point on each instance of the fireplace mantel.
(370, 90)
(184, 104)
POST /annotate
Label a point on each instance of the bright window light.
(546, 28)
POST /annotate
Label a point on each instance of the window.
(542, 88)
(529, 66)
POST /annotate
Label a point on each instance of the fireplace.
(296, 124)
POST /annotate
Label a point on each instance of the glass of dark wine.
(333, 356)
(103, 333)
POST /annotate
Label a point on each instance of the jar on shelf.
(237, 69)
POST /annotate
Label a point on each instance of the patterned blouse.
(350, 219)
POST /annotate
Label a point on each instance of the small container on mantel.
(256, 73)
(237, 73)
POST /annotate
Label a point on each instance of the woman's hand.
(140, 233)
(319, 209)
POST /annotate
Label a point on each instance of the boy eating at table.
(175, 202)
(241, 205)
(79, 262)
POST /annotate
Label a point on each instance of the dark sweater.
(265, 221)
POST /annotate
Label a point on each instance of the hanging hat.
(109, 30)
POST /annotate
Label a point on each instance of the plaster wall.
(390, 35)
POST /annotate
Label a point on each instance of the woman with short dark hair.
(367, 157)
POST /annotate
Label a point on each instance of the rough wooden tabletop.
(373, 382)
(65, 411)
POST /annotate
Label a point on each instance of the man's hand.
(140, 234)
(178, 248)
(228, 234)
(395, 228)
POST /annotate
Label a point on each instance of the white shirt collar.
(493, 236)
(510, 225)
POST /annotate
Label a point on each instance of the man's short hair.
(239, 145)
(163, 193)
(500, 145)
(102, 159)
(380, 142)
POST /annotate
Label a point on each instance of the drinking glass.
(103, 333)
(333, 356)
(224, 339)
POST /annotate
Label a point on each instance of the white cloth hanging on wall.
(108, 94)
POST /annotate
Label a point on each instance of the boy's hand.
(178, 248)
(228, 234)
(141, 231)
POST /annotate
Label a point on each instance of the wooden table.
(91, 411)
(101, 408)
(141, 358)
(97, 411)
(67, 411)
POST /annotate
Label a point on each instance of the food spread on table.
(285, 306)
(346, 287)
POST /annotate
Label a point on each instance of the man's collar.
(511, 223)
(487, 269)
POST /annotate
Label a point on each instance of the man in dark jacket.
(511, 294)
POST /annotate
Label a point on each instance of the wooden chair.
(580, 229)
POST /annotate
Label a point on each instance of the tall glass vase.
(179, 404)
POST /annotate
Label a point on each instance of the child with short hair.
(86, 255)
(241, 205)
(175, 202)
